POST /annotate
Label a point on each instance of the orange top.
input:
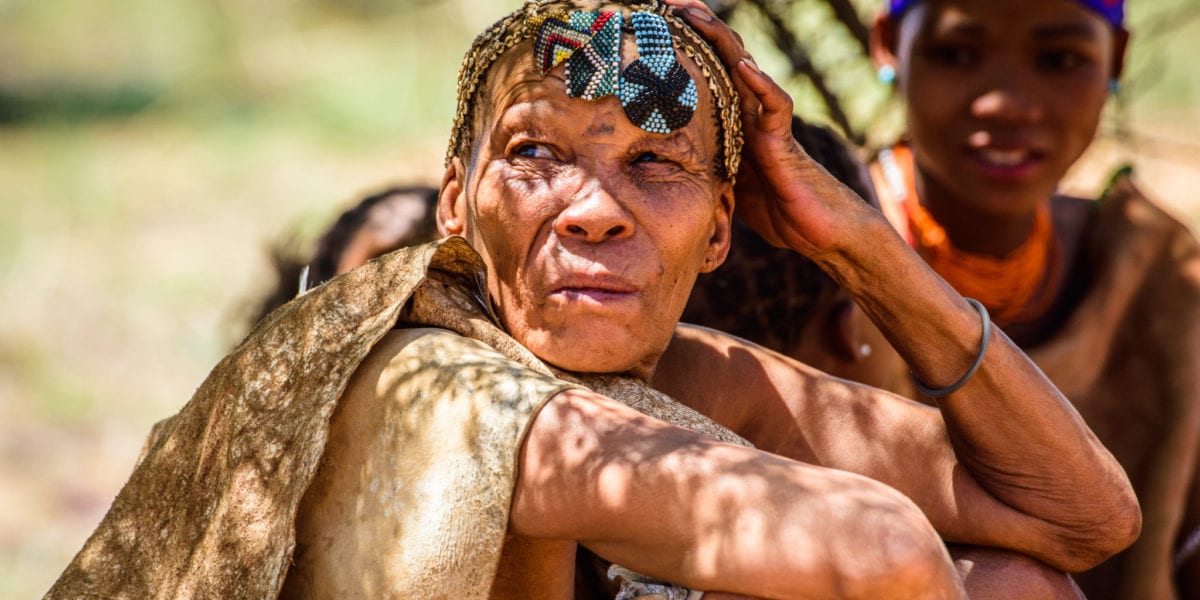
(1013, 288)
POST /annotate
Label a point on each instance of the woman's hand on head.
(782, 193)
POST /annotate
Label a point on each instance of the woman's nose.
(594, 215)
(1010, 98)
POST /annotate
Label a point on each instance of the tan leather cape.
(210, 510)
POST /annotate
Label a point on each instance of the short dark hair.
(334, 242)
(289, 260)
(766, 294)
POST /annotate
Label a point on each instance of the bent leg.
(1002, 574)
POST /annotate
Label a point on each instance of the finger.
(696, 4)
(728, 46)
(775, 104)
(726, 41)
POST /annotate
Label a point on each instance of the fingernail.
(749, 62)
(700, 14)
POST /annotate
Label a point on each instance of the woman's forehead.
(1042, 19)
(1111, 12)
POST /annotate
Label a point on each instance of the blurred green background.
(150, 151)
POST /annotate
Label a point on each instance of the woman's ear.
(452, 200)
(841, 332)
(1120, 44)
(885, 37)
(722, 236)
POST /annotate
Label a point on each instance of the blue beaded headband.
(656, 92)
(581, 33)
(589, 42)
(1112, 10)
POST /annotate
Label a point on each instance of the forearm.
(1010, 427)
(672, 504)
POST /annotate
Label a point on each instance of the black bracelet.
(983, 346)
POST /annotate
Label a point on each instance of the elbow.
(1083, 546)
(856, 539)
(1128, 525)
(907, 558)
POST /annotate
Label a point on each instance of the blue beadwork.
(656, 91)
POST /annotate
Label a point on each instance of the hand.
(782, 193)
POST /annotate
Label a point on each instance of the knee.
(994, 573)
(906, 557)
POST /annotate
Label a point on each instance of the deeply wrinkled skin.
(593, 229)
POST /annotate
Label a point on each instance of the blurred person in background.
(391, 218)
(1001, 99)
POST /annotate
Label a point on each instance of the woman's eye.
(533, 151)
(648, 157)
(956, 56)
(1061, 60)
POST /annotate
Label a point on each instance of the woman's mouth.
(1004, 158)
(590, 293)
(593, 288)
(1006, 163)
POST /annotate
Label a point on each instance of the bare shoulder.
(1127, 211)
(766, 397)
(706, 369)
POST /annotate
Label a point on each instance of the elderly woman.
(508, 420)
(1001, 99)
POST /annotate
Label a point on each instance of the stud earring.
(1114, 86)
(886, 74)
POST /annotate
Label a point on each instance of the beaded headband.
(1112, 10)
(656, 92)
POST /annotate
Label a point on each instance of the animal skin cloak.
(210, 510)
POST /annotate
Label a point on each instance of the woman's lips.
(1006, 163)
(594, 294)
(601, 289)
(1004, 158)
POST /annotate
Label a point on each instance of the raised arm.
(1015, 438)
(795, 411)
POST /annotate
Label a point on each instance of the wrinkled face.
(593, 230)
(1002, 97)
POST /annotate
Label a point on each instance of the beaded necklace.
(1018, 287)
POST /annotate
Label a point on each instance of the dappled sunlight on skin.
(734, 504)
(989, 573)
(855, 428)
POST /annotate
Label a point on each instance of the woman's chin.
(595, 353)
